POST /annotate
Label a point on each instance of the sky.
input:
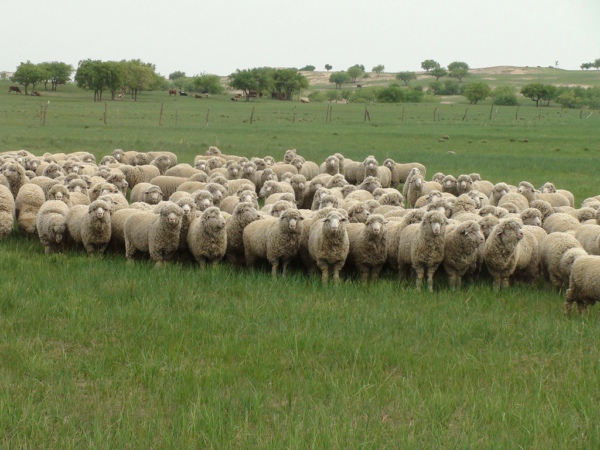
(218, 37)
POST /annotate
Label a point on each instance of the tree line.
(30, 74)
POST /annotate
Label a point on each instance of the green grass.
(96, 353)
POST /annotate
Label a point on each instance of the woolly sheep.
(328, 245)
(589, 237)
(15, 176)
(117, 225)
(228, 204)
(59, 192)
(51, 225)
(163, 163)
(449, 185)
(53, 171)
(584, 284)
(243, 214)
(528, 191)
(498, 191)
(203, 200)
(90, 225)
(561, 222)
(207, 237)
(549, 188)
(147, 193)
(156, 234)
(7, 211)
(280, 169)
(510, 250)
(188, 206)
(139, 174)
(118, 179)
(181, 170)
(368, 246)
(308, 169)
(27, 204)
(400, 171)
(330, 166)
(124, 157)
(275, 187)
(418, 188)
(358, 213)
(369, 184)
(394, 229)
(544, 207)
(461, 250)
(168, 184)
(555, 261)
(276, 240)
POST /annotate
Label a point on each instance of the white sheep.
(328, 245)
(243, 214)
(7, 211)
(51, 225)
(156, 234)
(147, 193)
(27, 204)
(589, 237)
(422, 247)
(90, 225)
(511, 250)
(368, 246)
(555, 261)
(461, 251)
(276, 240)
(207, 237)
(584, 284)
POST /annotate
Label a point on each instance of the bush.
(365, 95)
(333, 95)
(307, 69)
(448, 87)
(317, 96)
(397, 94)
(505, 96)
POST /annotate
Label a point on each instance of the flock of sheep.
(339, 214)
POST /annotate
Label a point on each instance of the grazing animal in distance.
(14, 89)
(172, 92)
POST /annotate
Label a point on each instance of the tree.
(569, 99)
(60, 73)
(438, 72)
(137, 76)
(539, 91)
(355, 72)
(98, 76)
(429, 64)
(596, 64)
(328, 67)
(587, 66)
(378, 69)
(208, 83)
(476, 92)
(176, 74)
(505, 96)
(308, 68)
(28, 74)
(458, 69)
(258, 79)
(406, 77)
(339, 78)
(288, 82)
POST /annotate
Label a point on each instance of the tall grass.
(98, 353)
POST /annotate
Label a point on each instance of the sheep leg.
(420, 275)
(201, 261)
(364, 272)
(284, 267)
(505, 282)
(375, 272)
(275, 268)
(337, 267)
(430, 272)
(324, 267)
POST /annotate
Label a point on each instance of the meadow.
(98, 353)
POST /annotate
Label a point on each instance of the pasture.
(98, 353)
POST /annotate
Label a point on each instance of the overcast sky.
(221, 36)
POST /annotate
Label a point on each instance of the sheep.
(207, 237)
(391, 199)
(27, 204)
(275, 187)
(438, 177)
(400, 171)
(59, 192)
(243, 214)
(124, 157)
(162, 162)
(498, 191)
(511, 250)
(218, 192)
(181, 170)
(461, 250)
(418, 187)
(328, 245)
(7, 211)
(480, 199)
(52, 170)
(203, 200)
(280, 169)
(464, 184)
(147, 193)
(368, 246)
(556, 262)
(584, 284)
(51, 225)
(528, 191)
(168, 185)
(289, 155)
(369, 184)
(531, 216)
(449, 184)
(308, 169)
(118, 179)
(156, 234)
(276, 240)
(139, 174)
(188, 207)
(561, 222)
(228, 204)
(549, 188)
(589, 237)
(116, 200)
(298, 183)
(358, 213)
(331, 166)
(90, 225)
(117, 224)
(15, 176)
(422, 247)
(277, 208)
(517, 199)
(394, 229)
(464, 205)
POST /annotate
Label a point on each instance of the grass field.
(96, 353)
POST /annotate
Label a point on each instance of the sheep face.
(201, 165)
(100, 209)
(292, 220)
(417, 181)
(370, 184)
(436, 221)
(297, 163)
(329, 201)
(376, 224)
(335, 222)
(358, 214)
(171, 213)
(548, 188)
(438, 177)
(234, 170)
(531, 216)
(487, 224)
(212, 150)
(464, 183)
(509, 231)
(472, 231)
(448, 182)
(153, 195)
(213, 219)
(389, 163)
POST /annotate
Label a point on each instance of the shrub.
(317, 96)
(505, 96)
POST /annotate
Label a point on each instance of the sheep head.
(434, 221)
(376, 225)
(291, 219)
(335, 222)
(99, 209)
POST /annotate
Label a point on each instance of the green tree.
(569, 99)
(505, 96)
(137, 76)
(438, 72)
(28, 74)
(476, 92)
(378, 69)
(339, 78)
(208, 83)
(176, 74)
(98, 76)
(308, 68)
(458, 69)
(258, 79)
(406, 77)
(288, 82)
(60, 73)
(355, 72)
(549, 93)
(587, 66)
(429, 64)
(328, 67)
(596, 64)
(539, 91)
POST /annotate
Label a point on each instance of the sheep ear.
(499, 231)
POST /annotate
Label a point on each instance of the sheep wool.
(90, 226)
(328, 245)
(207, 237)
(368, 246)
(51, 225)
(7, 211)
(462, 250)
(584, 284)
